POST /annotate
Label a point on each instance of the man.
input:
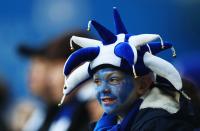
(136, 89)
(37, 70)
(65, 116)
(37, 83)
(46, 80)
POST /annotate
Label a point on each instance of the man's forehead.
(107, 71)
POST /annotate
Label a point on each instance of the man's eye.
(97, 81)
(114, 80)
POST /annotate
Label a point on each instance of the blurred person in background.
(73, 115)
(46, 82)
(37, 71)
(30, 114)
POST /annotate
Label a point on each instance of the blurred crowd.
(45, 83)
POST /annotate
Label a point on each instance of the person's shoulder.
(159, 120)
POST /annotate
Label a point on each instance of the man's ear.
(143, 83)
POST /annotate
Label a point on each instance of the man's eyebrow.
(111, 73)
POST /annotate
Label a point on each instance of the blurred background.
(34, 22)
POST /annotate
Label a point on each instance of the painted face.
(112, 88)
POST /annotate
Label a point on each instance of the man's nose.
(104, 88)
(106, 91)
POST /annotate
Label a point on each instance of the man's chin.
(109, 108)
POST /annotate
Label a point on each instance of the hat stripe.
(140, 40)
(80, 56)
(154, 47)
(84, 42)
(164, 69)
(76, 77)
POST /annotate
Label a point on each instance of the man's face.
(37, 76)
(112, 87)
(55, 79)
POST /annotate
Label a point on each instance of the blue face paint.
(112, 88)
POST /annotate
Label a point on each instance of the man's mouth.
(108, 100)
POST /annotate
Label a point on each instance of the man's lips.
(108, 100)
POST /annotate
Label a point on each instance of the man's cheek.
(124, 95)
(119, 92)
(115, 90)
(125, 92)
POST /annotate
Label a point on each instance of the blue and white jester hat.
(131, 53)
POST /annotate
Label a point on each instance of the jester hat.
(134, 54)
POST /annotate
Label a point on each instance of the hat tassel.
(173, 51)
(71, 45)
(149, 48)
(89, 25)
(63, 97)
(134, 72)
(161, 41)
